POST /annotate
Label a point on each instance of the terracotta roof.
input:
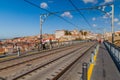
(2, 50)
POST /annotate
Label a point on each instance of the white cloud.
(93, 18)
(105, 17)
(118, 23)
(90, 1)
(94, 25)
(116, 20)
(44, 5)
(107, 1)
(67, 14)
(103, 8)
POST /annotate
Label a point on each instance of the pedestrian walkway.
(104, 68)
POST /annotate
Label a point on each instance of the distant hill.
(2, 39)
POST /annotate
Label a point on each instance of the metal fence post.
(119, 56)
(84, 71)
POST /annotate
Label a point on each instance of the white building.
(75, 32)
(107, 35)
(59, 33)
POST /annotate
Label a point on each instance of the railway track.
(28, 58)
(38, 52)
(44, 60)
(74, 72)
(56, 69)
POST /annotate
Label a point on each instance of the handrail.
(114, 53)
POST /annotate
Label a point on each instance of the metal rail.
(114, 52)
(38, 67)
(55, 46)
(54, 52)
(68, 67)
(51, 53)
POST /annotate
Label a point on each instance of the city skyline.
(18, 18)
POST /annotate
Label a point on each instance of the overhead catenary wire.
(80, 13)
(49, 12)
(90, 8)
(77, 9)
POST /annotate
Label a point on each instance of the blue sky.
(18, 18)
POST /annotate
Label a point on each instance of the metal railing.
(114, 52)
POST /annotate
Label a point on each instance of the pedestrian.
(18, 49)
(50, 41)
(44, 47)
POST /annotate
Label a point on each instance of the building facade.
(59, 33)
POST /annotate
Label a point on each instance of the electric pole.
(112, 25)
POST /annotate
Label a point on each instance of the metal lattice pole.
(112, 25)
(41, 31)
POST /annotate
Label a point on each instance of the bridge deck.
(105, 68)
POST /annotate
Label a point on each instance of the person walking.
(50, 42)
(43, 43)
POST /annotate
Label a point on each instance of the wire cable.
(77, 9)
(89, 8)
(50, 12)
(80, 13)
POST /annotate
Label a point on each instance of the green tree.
(67, 32)
(85, 33)
(81, 31)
